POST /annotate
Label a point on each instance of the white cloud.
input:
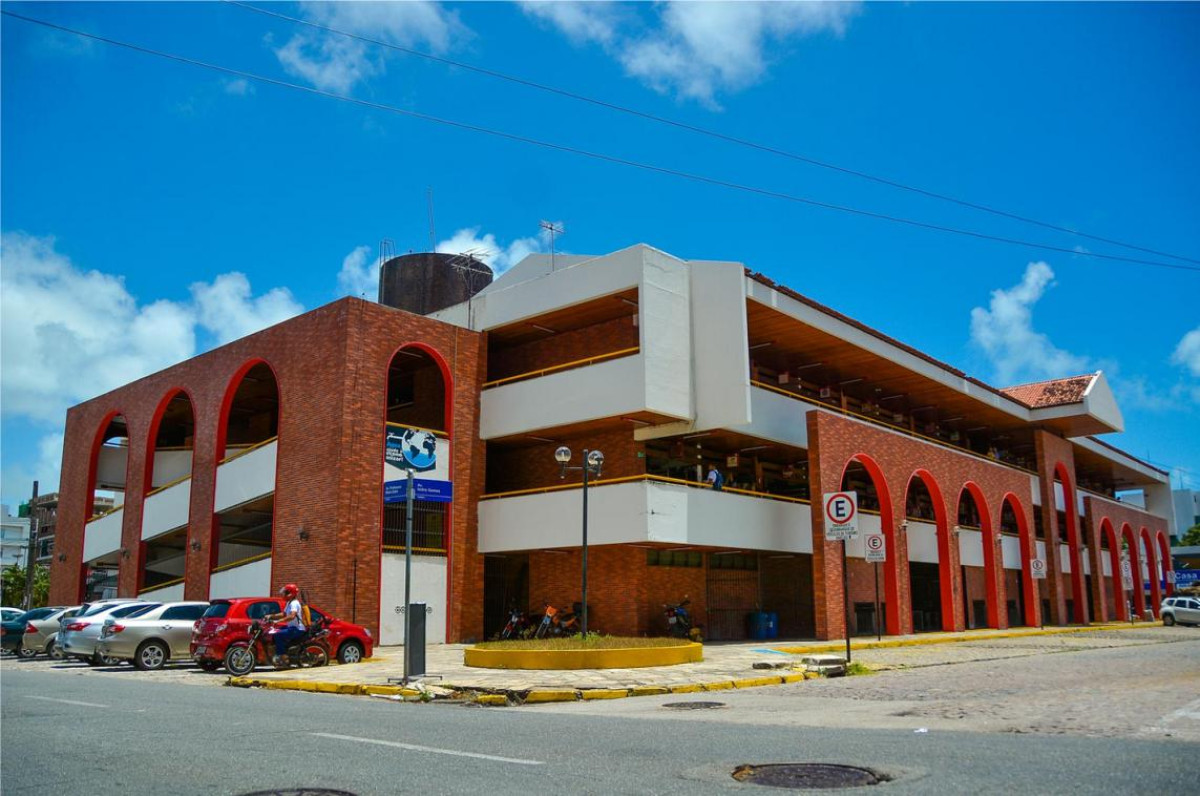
(1005, 333)
(1187, 353)
(238, 88)
(359, 275)
(71, 334)
(695, 50)
(336, 63)
(486, 248)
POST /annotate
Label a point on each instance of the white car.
(1180, 610)
(78, 636)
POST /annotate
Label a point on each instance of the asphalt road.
(97, 734)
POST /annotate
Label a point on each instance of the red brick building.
(264, 461)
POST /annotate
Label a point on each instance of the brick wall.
(1119, 522)
(893, 460)
(558, 349)
(531, 467)
(1056, 460)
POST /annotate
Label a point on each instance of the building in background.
(282, 457)
(1186, 506)
(14, 539)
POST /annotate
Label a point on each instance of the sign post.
(876, 545)
(841, 523)
(1037, 568)
(1127, 583)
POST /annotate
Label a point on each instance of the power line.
(708, 132)
(699, 178)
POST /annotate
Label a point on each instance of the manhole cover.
(806, 775)
(694, 705)
(300, 792)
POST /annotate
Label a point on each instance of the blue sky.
(152, 210)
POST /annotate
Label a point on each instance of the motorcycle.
(517, 626)
(306, 651)
(680, 623)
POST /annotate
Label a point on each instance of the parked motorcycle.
(680, 623)
(517, 626)
(308, 650)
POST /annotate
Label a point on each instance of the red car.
(227, 621)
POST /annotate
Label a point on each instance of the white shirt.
(298, 620)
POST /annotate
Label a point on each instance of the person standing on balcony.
(715, 478)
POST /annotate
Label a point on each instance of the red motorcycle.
(308, 650)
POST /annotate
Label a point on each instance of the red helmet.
(290, 590)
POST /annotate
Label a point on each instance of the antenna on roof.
(387, 250)
(551, 229)
(432, 234)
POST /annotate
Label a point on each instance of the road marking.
(1190, 711)
(67, 701)
(415, 748)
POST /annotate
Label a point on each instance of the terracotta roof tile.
(1054, 392)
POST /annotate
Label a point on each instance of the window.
(259, 610)
(133, 611)
(736, 561)
(676, 558)
(38, 613)
(192, 612)
(216, 611)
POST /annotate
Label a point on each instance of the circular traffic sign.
(839, 508)
(875, 542)
(1037, 565)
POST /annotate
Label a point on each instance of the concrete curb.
(959, 638)
(563, 660)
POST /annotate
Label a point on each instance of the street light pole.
(585, 545)
(593, 463)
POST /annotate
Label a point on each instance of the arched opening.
(930, 573)
(1166, 565)
(1133, 585)
(162, 558)
(1068, 529)
(417, 440)
(978, 559)
(108, 475)
(1110, 553)
(1151, 568)
(863, 476)
(1016, 545)
(244, 533)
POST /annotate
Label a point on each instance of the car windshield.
(38, 613)
(216, 611)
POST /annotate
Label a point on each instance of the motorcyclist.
(291, 622)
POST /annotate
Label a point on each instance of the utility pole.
(27, 603)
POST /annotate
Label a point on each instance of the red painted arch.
(90, 495)
(1071, 510)
(148, 474)
(1152, 571)
(945, 568)
(1164, 553)
(448, 420)
(1025, 535)
(1114, 564)
(231, 389)
(891, 582)
(991, 560)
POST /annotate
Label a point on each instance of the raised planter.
(628, 658)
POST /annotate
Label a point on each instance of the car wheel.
(53, 651)
(1168, 619)
(150, 656)
(208, 666)
(102, 660)
(239, 659)
(350, 652)
(24, 653)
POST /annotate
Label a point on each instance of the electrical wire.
(705, 131)
(693, 177)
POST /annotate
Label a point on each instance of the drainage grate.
(300, 792)
(694, 705)
(806, 775)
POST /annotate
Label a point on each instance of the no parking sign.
(876, 548)
(1037, 567)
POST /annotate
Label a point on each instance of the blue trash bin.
(756, 625)
(771, 625)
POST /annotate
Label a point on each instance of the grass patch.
(594, 641)
(857, 667)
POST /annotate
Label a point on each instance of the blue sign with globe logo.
(415, 450)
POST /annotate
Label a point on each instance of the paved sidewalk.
(730, 663)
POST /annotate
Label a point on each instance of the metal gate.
(733, 594)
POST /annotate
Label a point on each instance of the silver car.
(152, 638)
(1180, 610)
(78, 636)
(42, 637)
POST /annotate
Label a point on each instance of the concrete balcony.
(166, 509)
(246, 475)
(250, 579)
(102, 535)
(644, 510)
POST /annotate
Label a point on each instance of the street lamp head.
(595, 460)
(562, 455)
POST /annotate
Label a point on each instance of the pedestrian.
(715, 478)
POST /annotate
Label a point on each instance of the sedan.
(78, 636)
(153, 638)
(13, 633)
(9, 614)
(41, 635)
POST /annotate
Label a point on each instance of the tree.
(1192, 537)
(14, 585)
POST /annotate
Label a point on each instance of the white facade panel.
(166, 510)
(171, 466)
(970, 547)
(867, 523)
(248, 580)
(606, 389)
(103, 536)
(644, 512)
(428, 586)
(247, 477)
(922, 542)
(1064, 557)
(665, 335)
(719, 344)
(777, 418)
(171, 594)
(1010, 552)
(111, 466)
(1035, 492)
